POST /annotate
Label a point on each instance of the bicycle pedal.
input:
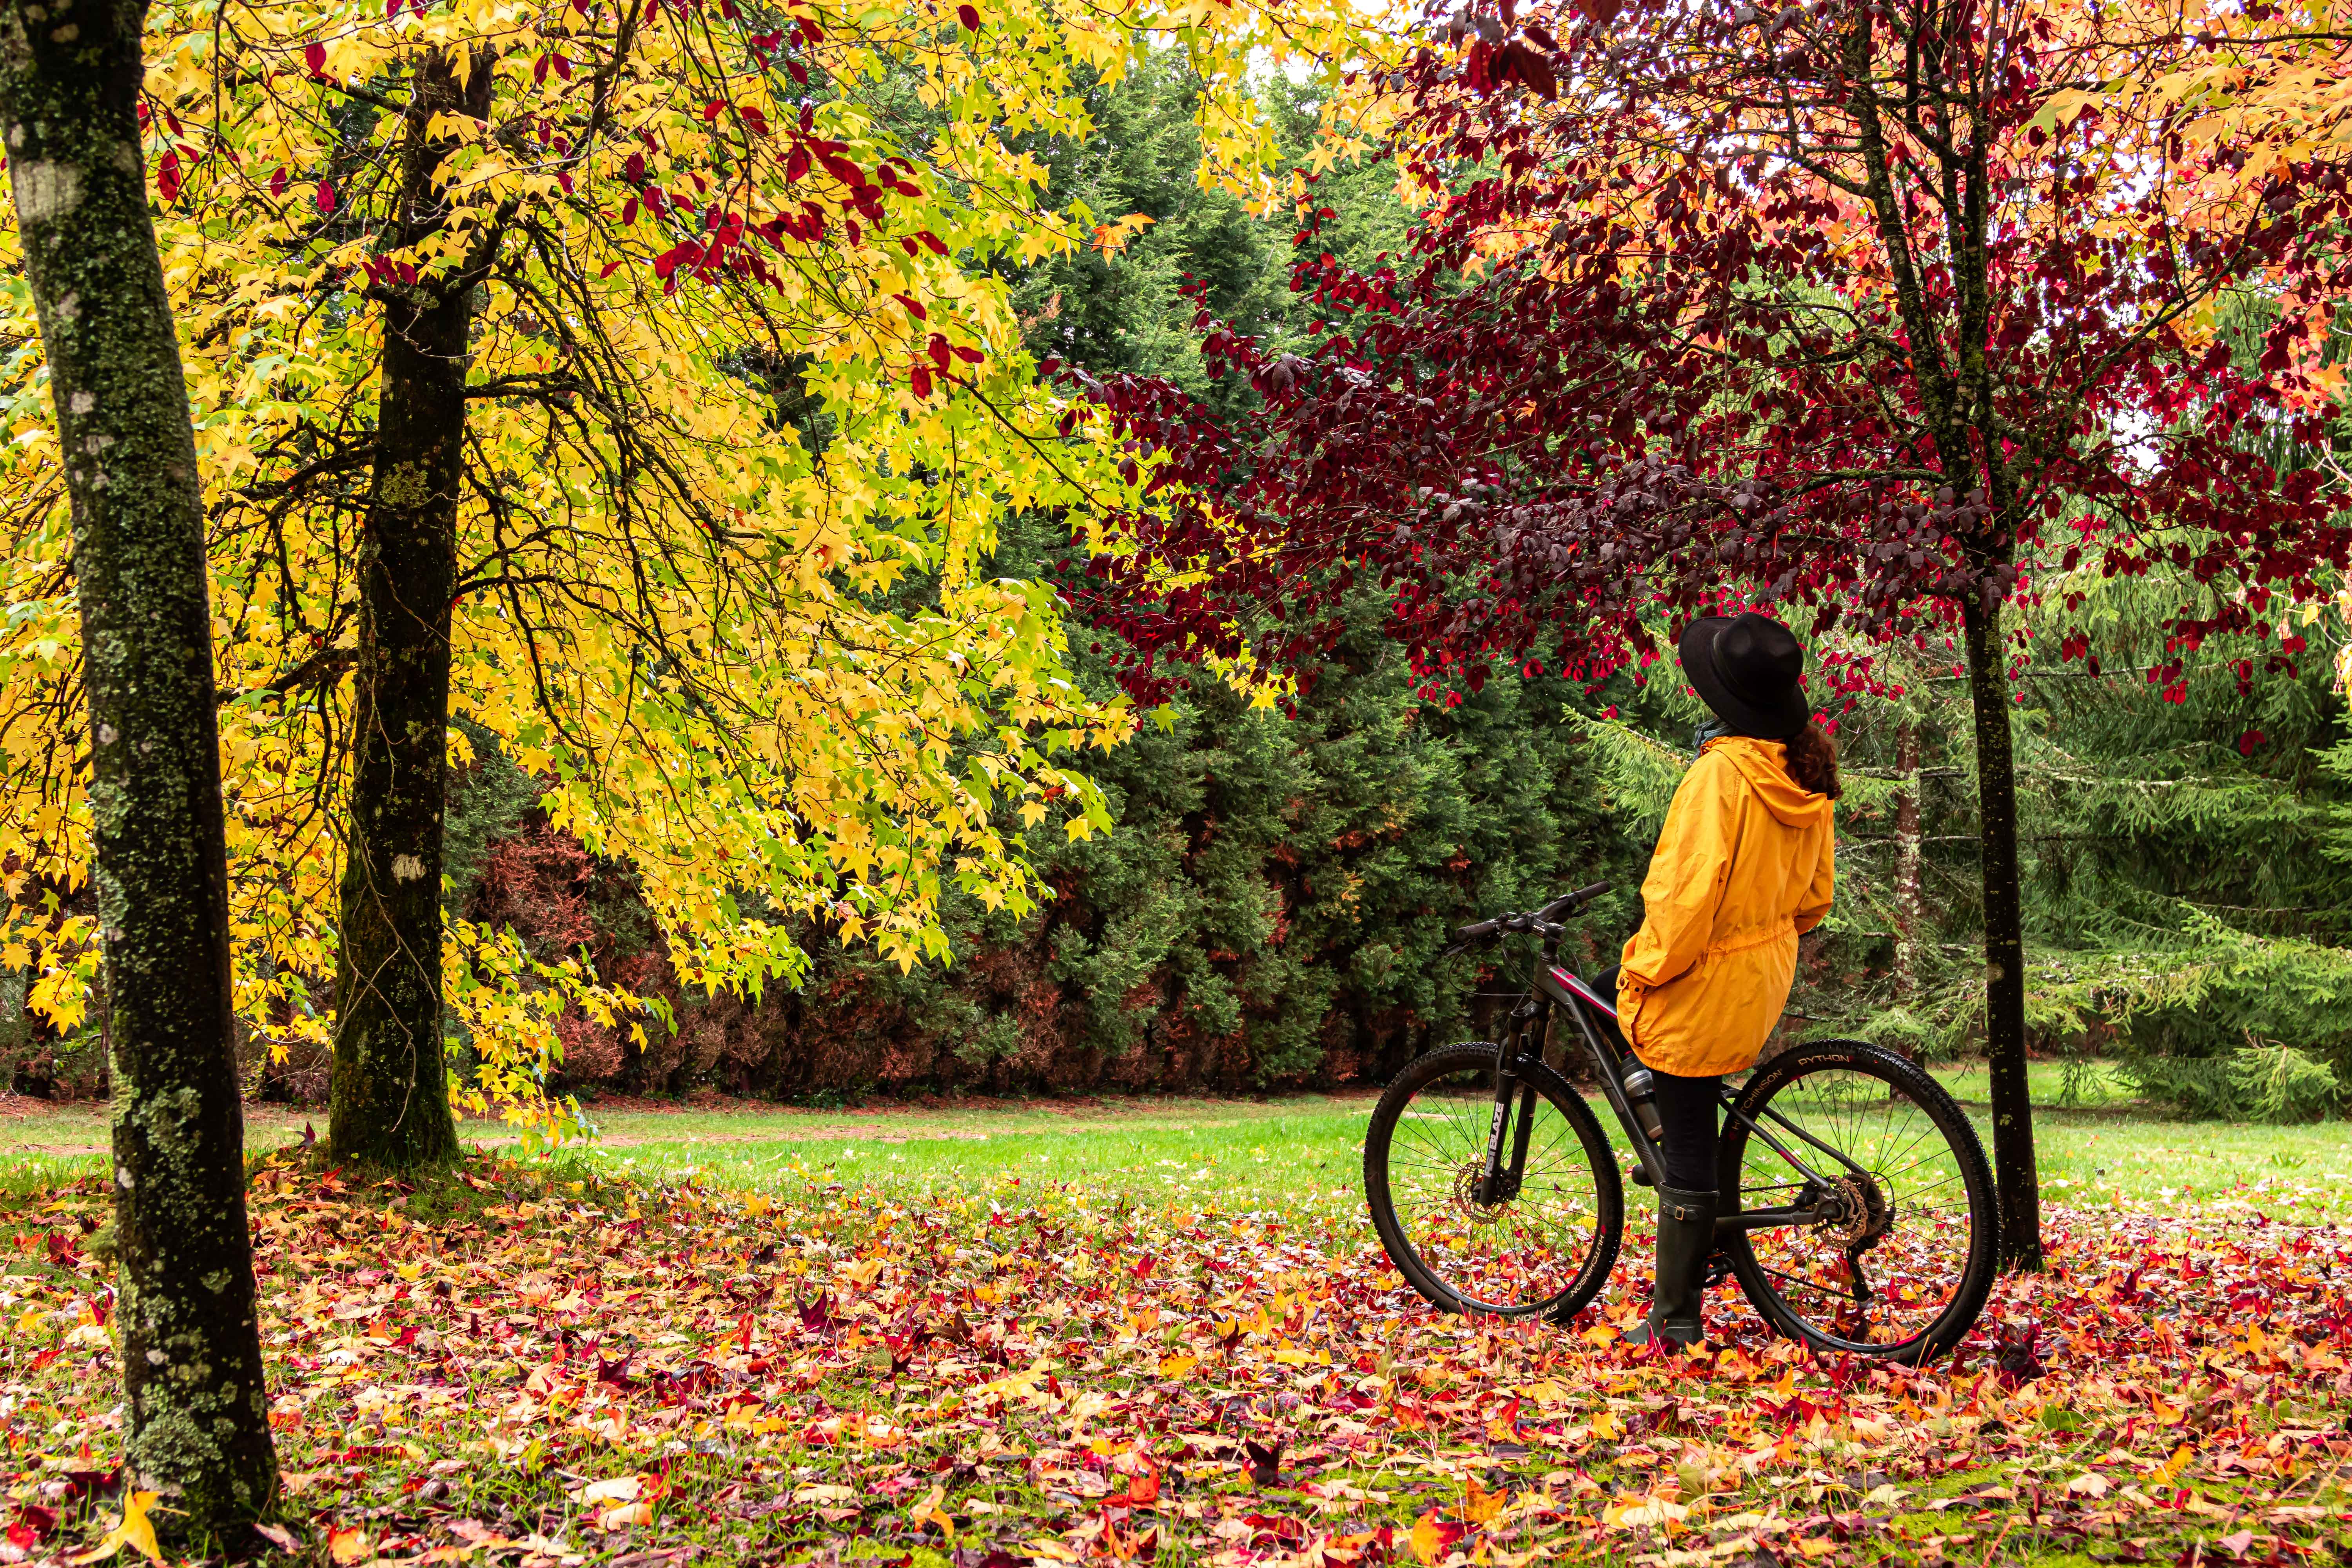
(1640, 1176)
(1718, 1270)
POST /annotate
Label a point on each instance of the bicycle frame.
(1552, 990)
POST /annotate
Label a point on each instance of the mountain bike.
(1858, 1207)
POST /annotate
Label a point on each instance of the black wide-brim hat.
(1748, 668)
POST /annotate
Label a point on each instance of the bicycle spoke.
(1911, 1210)
(1512, 1254)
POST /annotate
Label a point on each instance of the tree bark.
(188, 1338)
(1910, 905)
(2014, 1171)
(390, 1096)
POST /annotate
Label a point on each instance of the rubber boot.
(1685, 1236)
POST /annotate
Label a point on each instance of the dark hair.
(1813, 760)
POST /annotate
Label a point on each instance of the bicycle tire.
(1461, 1063)
(1763, 1286)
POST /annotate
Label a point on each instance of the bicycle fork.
(1499, 1180)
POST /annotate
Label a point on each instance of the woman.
(1744, 867)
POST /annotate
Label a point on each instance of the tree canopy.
(736, 369)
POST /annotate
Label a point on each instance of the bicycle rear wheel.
(1545, 1248)
(1902, 1260)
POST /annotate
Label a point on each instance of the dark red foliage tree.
(1894, 309)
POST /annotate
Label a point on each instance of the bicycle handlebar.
(1538, 920)
(1575, 900)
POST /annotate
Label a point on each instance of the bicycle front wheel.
(1901, 1253)
(1546, 1246)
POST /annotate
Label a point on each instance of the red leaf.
(278, 184)
(562, 67)
(797, 165)
(920, 378)
(538, 71)
(326, 197)
(34, 1523)
(315, 56)
(914, 307)
(969, 16)
(939, 247)
(167, 176)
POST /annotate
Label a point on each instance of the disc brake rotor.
(1465, 1195)
(1864, 1215)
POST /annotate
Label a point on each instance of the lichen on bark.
(188, 1333)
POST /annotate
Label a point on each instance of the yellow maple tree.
(744, 407)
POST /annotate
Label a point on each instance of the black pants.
(1686, 1110)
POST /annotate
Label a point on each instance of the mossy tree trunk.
(198, 1427)
(2016, 1169)
(1910, 899)
(1952, 367)
(390, 1097)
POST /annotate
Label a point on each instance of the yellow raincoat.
(1744, 866)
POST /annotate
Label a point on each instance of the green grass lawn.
(1295, 1150)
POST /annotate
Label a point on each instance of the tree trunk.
(1910, 905)
(2014, 1171)
(390, 1099)
(188, 1339)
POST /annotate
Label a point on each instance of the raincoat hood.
(1764, 764)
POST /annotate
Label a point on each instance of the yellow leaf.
(620, 1489)
(1635, 1512)
(1175, 1366)
(348, 1544)
(133, 1529)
